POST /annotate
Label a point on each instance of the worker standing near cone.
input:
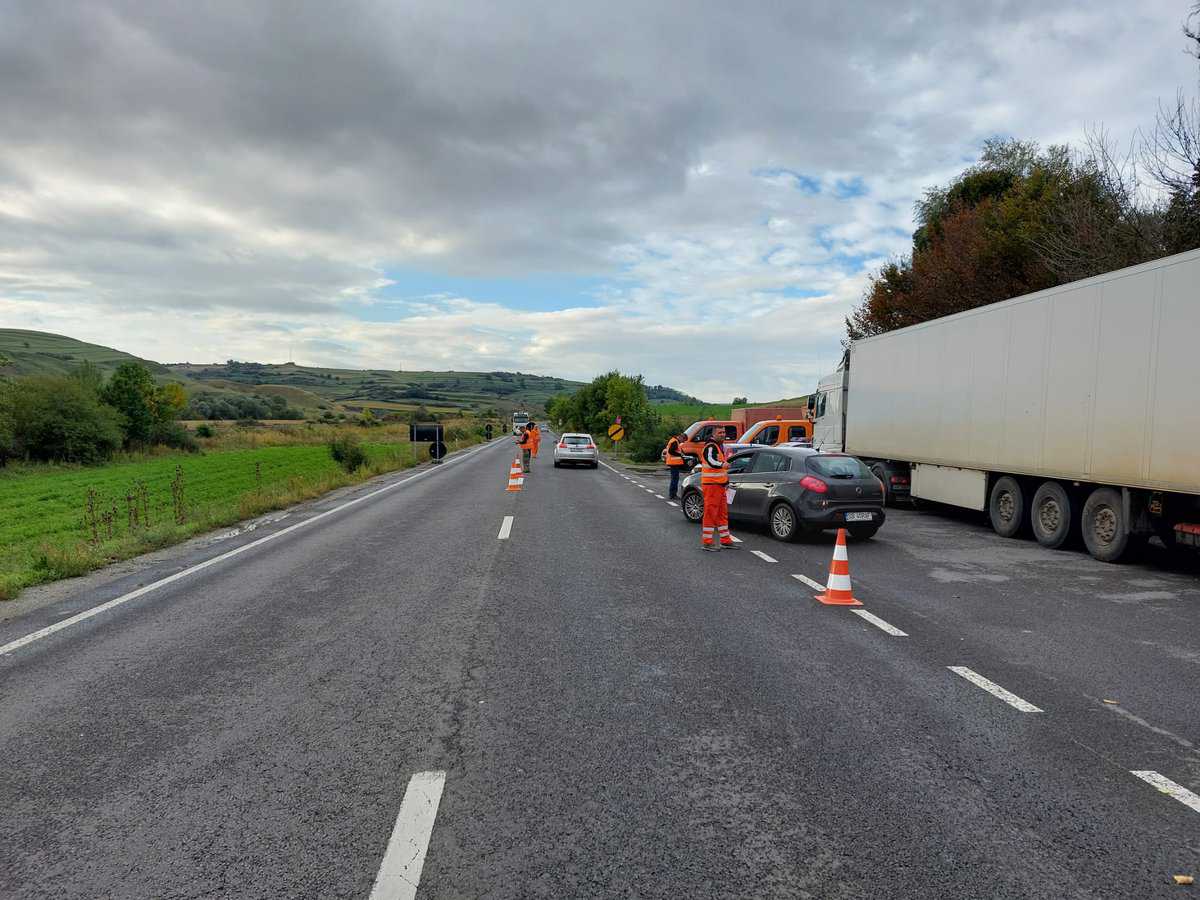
(714, 482)
(536, 434)
(525, 442)
(673, 457)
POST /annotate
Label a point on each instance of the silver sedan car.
(576, 449)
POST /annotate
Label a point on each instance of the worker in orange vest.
(536, 434)
(673, 457)
(714, 482)
(525, 442)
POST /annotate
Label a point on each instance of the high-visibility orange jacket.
(535, 435)
(712, 465)
(673, 455)
(525, 441)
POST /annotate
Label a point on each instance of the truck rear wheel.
(881, 473)
(1006, 506)
(1051, 514)
(1105, 531)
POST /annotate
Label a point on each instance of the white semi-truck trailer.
(1071, 411)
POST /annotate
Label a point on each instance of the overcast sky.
(694, 191)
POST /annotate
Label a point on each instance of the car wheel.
(693, 506)
(782, 522)
(595, 465)
(862, 534)
(1006, 506)
(1050, 515)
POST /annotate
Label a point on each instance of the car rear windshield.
(838, 467)
(577, 439)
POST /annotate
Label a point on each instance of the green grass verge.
(44, 533)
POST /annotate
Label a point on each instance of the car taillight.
(899, 479)
(590, 447)
(816, 485)
(562, 445)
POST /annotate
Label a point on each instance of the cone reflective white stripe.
(837, 588)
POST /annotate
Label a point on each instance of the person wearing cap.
(525, 442)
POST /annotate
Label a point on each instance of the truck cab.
(772, 432)
(826, 408)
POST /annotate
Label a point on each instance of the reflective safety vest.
(712, 465)
(536, 435)
(674, 457)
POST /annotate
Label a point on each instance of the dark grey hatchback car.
(794, 491)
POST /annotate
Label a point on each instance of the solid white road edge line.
(505, 528)
(764, 557)
(878, 622)
(994, 689)
(228, 554)
(1170, 788)
(400, 872)
(804, 579)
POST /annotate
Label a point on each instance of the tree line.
(1026, 218)
(596, 406)
(85, 418)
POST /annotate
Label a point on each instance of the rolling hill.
(309, 388)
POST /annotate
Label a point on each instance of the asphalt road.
(591, 707)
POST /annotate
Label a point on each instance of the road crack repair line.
(994, 689)
(400, 872)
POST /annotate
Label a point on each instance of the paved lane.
(590, 707)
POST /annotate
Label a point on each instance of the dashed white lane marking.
(660, 496)
(1171, 789)
(735, 538)
(804, 579)
(764, 557)
(228, 554)
(400, 872)
(878, 622)
(505, 528)
(994, 689)
(672, 503)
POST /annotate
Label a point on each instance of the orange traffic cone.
(837, 588)
(515, 476)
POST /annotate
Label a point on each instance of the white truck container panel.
(946, 484)
(1175, 403)
(1091, 381)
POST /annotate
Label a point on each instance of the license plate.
(860, 517)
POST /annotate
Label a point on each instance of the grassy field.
(46, 529)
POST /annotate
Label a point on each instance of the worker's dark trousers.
(673, 493)
(525, 459)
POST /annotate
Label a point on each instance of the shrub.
(204, 431)
(56, 418)
(174, 435)
(347, 452)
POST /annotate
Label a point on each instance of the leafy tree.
(89, 375)
(58, 418)
(8, 436)
(131, 391)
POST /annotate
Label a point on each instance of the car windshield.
(838, 467)
(577, 439)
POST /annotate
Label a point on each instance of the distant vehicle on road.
(796, 491)
(519, 421)
(576, 448)
(1069, 411)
